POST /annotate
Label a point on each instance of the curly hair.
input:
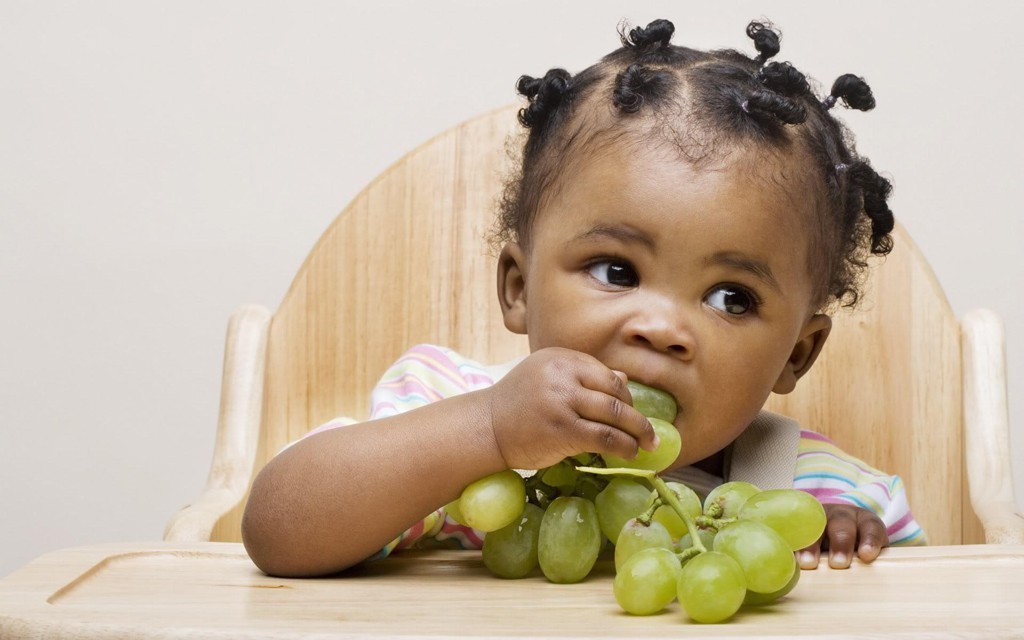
(709, 104)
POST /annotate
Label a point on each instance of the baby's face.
(690, 280)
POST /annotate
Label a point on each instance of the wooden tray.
(212, 590)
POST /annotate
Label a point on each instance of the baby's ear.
(512, 287)
(805, 352)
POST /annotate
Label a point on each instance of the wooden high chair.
(901, 383)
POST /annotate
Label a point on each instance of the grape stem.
(686, 554)
(715, 509)
(714, 523)
(646, 517)
(664, 492)
(619, 471)
(672, 500)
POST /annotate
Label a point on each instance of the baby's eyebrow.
(615, 232)
(757, 268)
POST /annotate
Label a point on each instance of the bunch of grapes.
(735, 548)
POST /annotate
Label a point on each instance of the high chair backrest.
(408, 261)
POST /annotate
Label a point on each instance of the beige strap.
(765, 453)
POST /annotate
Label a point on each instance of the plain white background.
(162, 163)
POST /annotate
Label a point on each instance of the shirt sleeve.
(422, 375)
(425, 374)
(835, 477)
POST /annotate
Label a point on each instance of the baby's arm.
(337, 497)
(866, 509)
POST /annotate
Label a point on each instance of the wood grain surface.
(212, 590)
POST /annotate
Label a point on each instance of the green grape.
(636, 536)
(584, 459)
(493, 501)
(707, 538)
(766, 559)
(621, 500)
(569, 539)
(667, 516)
(657, 460)
(711, 587)
(795, 515)
(647, 582)
(653, 403)
(454, 512)
(589, 486)
(562, 476)
(511, 552)
(730, 496)
(756, 599)
(669, 519)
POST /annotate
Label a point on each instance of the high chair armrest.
(986, 427)
(238, 427)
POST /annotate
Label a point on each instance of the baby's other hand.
(558, 403)
(848, 529)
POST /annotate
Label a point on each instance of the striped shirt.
(834, 477)
(428, 373)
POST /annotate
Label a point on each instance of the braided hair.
(708, 103)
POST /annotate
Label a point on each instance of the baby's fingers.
(841, 533)
(610, 425)
(853, 530)
(808, 557)
(606, 400)
(872, 536)
(599, 437)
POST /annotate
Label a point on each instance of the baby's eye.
(733, 300)
(614, 272)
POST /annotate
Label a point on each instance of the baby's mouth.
(652, 402)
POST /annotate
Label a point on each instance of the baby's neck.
(713, 464)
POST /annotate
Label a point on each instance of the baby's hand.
(847, 529)
(558, 403)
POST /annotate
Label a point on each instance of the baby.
(681, 218)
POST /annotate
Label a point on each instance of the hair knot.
(636, 84)
(657, 33)
(853, 91)
(545, 95)
(766, 40)
(782, 77)
(761, 104)
(875, 192)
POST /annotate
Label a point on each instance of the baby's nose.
(662, 327)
